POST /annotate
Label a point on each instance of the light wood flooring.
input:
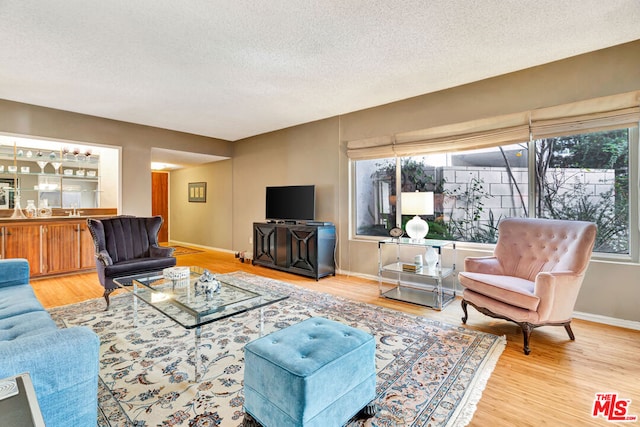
(555, 385)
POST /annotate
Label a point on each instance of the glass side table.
(418, 284)
(18, 403)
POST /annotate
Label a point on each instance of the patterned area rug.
(429, 373)
(183, 250)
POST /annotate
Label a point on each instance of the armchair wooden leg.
(369, 411)
(106, 294)
(567, 327)
(464, 309)
(526, 332)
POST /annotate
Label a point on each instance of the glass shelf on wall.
(5, 173)
(59, 177)
(67, 160)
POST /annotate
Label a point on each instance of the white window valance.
(586, 116)
(627, 117)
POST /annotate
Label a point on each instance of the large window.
(576, 177)
(586, 177)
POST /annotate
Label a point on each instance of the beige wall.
(301, 155)
(313, 153)
(316, 151)
(204, 224)
(601, 73)
(136, 142)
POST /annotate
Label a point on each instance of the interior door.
(160, 202)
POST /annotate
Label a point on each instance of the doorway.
(160, 202)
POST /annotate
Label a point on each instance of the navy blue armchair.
(127, 245)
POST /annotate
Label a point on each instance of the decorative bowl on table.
(178, 275)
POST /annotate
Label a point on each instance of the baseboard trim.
(606, 320)
(193, 245)
(596, 318)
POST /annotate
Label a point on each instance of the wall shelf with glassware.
(59, 179)
(423, 282)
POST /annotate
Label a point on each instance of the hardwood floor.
(555, 385)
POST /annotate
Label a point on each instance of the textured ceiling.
(237, 68)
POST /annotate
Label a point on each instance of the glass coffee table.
(179, 301)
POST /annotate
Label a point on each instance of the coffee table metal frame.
(178, 300)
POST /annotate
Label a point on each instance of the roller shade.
(627, 117)
(371, 148)
(604, 113)
(482, 133)
(464, 142)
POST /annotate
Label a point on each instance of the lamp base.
(417, 228)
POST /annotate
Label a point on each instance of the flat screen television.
(291, 203)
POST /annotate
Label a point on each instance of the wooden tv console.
(305, 249)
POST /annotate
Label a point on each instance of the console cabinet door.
(61, 247)
(303, 247)
(87, 248)
(264, 244)
(24, 241)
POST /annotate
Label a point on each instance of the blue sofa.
(62, 363)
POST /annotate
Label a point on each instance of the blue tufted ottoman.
(315, 373)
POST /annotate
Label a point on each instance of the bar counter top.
(58, 215)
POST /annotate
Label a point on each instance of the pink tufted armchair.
(534, 276)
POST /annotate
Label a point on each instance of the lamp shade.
(417, 203)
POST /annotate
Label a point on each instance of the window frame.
(634, 207)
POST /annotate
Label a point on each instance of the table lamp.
(417, 203)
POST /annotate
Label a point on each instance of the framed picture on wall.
(7, 193)
(198, 192)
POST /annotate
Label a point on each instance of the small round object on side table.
(396, 232)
